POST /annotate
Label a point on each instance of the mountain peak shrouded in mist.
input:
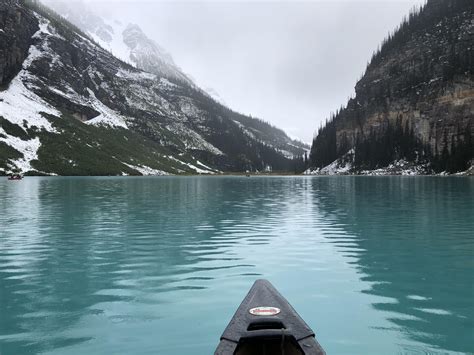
(127, 41)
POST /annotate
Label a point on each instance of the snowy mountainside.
(126, 41)
(69, 107)
(129, 43)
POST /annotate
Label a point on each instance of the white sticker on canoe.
(265, 311)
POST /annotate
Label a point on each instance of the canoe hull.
(265, 323)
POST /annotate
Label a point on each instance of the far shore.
(469, 173)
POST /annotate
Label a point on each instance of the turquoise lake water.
(375, 265)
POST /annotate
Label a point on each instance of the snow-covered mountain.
(69, 107)
(124, 40)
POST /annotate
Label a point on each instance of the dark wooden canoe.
(265, 323)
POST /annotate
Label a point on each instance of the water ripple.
(115, 265)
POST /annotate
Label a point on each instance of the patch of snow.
(28, 148)
(20, 105)
(189, 109)
(135, 75)
(399, 167)
(336, 168)
(146, 100)
(117, 45)
(341, 166)
(287, 154)
(203, 165)
(192, 140)
(43, 27)
(193, 167)
(146, 170)
(107, 116)
(71, 94)
(468, 172)
(199, 170)
(344, 166)
(166, 83)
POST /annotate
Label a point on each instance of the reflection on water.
(159, 265)
(414, 240)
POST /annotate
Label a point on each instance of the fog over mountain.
(289, 63)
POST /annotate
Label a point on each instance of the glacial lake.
(375, 265)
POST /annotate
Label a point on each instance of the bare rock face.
(17, 27)
(427, 82)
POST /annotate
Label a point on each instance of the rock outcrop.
(17, 27)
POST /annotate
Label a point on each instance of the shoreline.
(462, 174)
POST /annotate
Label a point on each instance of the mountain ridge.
(77, 90)
(126, 41)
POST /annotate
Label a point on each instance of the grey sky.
(290, 63)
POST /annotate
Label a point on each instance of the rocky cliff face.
(17, 27)
(416, 99)
(74, 108)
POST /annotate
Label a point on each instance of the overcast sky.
(288, 62)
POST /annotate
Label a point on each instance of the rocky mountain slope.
(126, 41)
(413, 111)
(69, 107)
